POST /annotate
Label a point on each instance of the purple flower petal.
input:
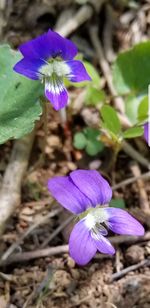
(29, 68)
(36, 48)
(121, 222)
(67, 194)
(78, 71)
(56, 93)
(147, 132)
(81, 245)
(104, 246)
(48, 45)
(93, 185)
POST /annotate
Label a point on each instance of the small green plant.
(88, 139)
(131, 74)
(112, 126)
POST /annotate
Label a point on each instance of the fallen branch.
(115, 240)
(108, 34)
(62, 226)
(11, 186)
(118, 101)
(129, 269)
(144, 176)
(128, 239)
(143, 198)
(30, 255)
(128, 149)
(83, 14)
(51, 251)
(41, 221)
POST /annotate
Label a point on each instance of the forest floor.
(37, 271)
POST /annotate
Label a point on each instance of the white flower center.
(55, 67)
(90, 221)
(94, 220)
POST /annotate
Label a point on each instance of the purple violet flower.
(49, 58)
(147, 132)
(82, 193)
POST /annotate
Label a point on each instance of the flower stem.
(41, 159)
(115, 151)
(67, 132)
(45, 125)
(63, 116)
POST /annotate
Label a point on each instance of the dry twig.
(83, 14)
(73, 23)
(129, 269)
(144, 176)
(128, 239)
(29, 231)
(51, 251)
(118, 101)
(108, 34)
(30, 255)
(143, 198)
(11, 186)
(135, 155)
(57, 231)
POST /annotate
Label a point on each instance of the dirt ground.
(54, 280)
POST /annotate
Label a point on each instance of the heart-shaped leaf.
(19, 99)
(131, 70)
(88, 139)
(79, 141)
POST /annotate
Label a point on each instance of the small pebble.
(134, 254)
(95, 164)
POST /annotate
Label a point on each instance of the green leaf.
(19, 105)
(88, 139)
(92, 73)
(131, 70)
(143, 109)
(133, 132)
(118, 203)
(93, 145)
(91, 133)
(94, 96)
(131, 108)
(111, 120)
(79, 141)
